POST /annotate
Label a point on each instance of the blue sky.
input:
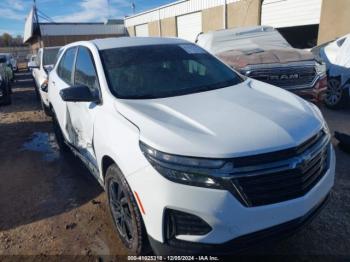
(13, 12)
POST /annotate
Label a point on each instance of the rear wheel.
(124, 211)
(336, 95)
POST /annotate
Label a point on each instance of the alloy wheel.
(334, 92)
(121, 211)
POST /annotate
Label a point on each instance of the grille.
(287, 78)
(273, 184)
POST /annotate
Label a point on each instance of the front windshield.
(158, 71)
(50, 56)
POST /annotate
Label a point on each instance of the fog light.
(181, 223)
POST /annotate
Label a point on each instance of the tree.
(7, 39)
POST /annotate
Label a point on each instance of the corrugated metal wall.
(277, 13)
(287, 13)
(175, 9)
(81, 29)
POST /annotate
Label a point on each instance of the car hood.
(246, 119)
(239, 59)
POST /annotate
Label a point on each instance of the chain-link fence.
(19, 53)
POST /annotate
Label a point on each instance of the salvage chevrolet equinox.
(194, 157)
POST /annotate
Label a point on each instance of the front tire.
(124, 212)
(336, 95)
(59, 136)
(45, 108)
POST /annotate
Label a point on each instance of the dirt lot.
(50, 205)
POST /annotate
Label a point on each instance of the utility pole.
(260, 11)
(225, 15)
(35, 21)
(133, 6)
(108, 12)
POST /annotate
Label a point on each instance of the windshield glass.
(50, 56)
(158, 71)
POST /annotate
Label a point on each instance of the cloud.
(16, 5)
(13, 9)
(93, 10)
(12, 14)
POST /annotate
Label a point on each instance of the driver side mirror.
(79, 93)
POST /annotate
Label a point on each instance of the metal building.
(302, 22)
(58, 34)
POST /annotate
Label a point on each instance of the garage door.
(141, 30)
(287, 13)
(189, 26)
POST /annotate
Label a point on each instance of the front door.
(82, 114)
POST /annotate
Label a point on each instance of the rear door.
(60, 78)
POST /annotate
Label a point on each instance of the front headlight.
(321, 69)
(185, 170)
(321, 118)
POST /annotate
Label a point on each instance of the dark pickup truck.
(262, 53)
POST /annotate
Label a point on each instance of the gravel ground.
(50, 205)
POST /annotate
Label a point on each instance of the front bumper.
(231, 222)
(240, 244)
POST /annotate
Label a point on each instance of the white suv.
(194, 157)
(45, 60)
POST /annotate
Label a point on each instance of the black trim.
(181, 223)
(283, 154)
(238, 245)
(281, 186)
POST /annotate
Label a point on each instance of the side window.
(65, 68)
(85, 73)
(341, 42)
(58, 55)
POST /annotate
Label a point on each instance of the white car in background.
(330, 51)
(336, 55)
(45, 60)
(31, 62)
(195, 159)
